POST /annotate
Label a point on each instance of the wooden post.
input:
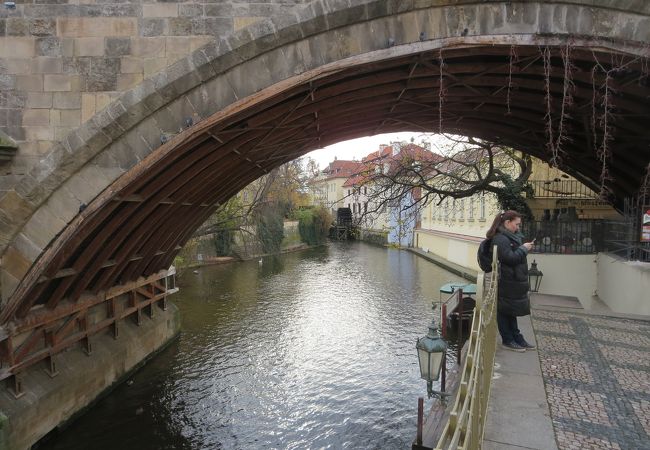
(152, 306)
(16, 385)
(88, 347)
(83, 325)
(7, 351)
(443, 376)
(443, 320)
(460, 325)
(418, 438)
(51, 368)
(112, 313)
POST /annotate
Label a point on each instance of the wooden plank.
(28, 345)
(68, 326)
(120, 234)
(43, 316)
(157, 228)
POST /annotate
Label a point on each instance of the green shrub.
(313, 225)
(270, 228)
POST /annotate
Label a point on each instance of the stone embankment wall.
(51, 401)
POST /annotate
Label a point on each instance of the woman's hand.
(529, 245)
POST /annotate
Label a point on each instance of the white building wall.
(569, 275)
(624, 286)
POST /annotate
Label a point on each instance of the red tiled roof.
(340, 168)
(379, 154)
(385, 154)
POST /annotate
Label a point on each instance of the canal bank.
(81, 380)
(464, 272)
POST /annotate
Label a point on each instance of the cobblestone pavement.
(596, 372)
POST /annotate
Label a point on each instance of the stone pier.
(48, 402)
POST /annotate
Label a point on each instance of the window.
(365, 207)
(365, 190)
(482, 206)
(453, 209)
(471, 207)
(462, 208)
(348, 191)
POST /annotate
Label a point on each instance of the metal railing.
(562, 189)
(588, 236)
(466, 424)
(577, 236)
(46, 333)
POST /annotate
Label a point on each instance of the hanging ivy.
(270, 227)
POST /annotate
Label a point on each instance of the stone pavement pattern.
(596, 371)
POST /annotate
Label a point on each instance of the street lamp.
(431, 356)
(534, 277)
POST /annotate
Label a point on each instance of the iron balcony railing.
(587, 236)
(466, 423)
(623, 238)
(580, 236)
(559, 188)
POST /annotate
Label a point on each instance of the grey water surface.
(308, 350)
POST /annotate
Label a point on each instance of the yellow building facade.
(453, 228)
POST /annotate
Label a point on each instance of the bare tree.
(236, 213)
(256, 214)
(462, 168)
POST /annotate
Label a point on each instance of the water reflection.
(308, 350)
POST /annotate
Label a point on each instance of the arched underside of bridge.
(344, 81)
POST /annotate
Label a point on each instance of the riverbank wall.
(466, 272)
(49, 402)
(201, 251)
(374, 237)
(595, 277)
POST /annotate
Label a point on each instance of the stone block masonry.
(81, 379)
(62, 63)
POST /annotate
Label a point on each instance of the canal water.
(314, 349)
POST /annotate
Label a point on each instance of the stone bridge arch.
(114, 200)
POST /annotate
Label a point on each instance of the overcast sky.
(358, 148)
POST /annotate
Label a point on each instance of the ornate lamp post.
(534, 277)
(431, 356)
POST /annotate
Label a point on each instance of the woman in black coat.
(513, 297)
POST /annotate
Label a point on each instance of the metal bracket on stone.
(88, 347)
(8, 147)
(16, 385)
(51, 368)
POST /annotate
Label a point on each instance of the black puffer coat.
(513, 275)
